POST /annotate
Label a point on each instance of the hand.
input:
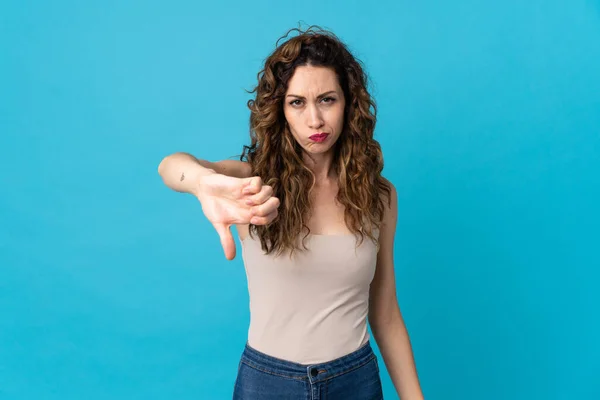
(227, 200)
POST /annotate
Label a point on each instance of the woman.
(316, 221)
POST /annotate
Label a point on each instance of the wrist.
(199, 180)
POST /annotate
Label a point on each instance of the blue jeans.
(352, 377)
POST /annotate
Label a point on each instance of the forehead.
(313, 80)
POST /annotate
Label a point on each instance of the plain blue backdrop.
(114, 287)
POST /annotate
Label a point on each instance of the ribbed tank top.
(313, 307)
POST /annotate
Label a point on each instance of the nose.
(315, 119)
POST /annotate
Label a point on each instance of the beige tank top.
(311, 308)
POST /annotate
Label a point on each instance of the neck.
(321, 166)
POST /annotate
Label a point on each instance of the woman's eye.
(295, 102)
(328, 100)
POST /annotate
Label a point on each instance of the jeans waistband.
(312, 372)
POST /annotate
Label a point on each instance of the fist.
(227, 200)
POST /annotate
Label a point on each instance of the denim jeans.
(352, 377)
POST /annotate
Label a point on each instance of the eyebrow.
(318, 97)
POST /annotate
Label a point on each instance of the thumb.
(227, 241)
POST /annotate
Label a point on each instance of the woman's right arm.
(182, 172)
(226, 190)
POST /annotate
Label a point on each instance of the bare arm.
(226, 190)
(385, 317)
(182, 171)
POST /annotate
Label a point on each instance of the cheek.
(338, 119)
(292, 120)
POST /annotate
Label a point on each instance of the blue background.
(114, 287)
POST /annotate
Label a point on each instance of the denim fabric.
(352, 377)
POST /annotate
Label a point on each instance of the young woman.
(316, 221)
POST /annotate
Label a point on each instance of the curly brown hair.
(276, 157)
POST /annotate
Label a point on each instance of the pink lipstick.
(319, 137)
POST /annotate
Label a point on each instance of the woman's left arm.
(385, 317)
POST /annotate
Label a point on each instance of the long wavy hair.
(276, 157)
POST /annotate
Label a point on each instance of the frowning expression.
(314, 108)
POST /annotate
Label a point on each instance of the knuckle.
(261, 211)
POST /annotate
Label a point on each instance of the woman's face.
(314, 108)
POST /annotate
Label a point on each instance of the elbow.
(385, 321)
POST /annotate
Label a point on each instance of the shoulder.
(390, 215)
(390, 199)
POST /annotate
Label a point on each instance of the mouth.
(319, 137)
